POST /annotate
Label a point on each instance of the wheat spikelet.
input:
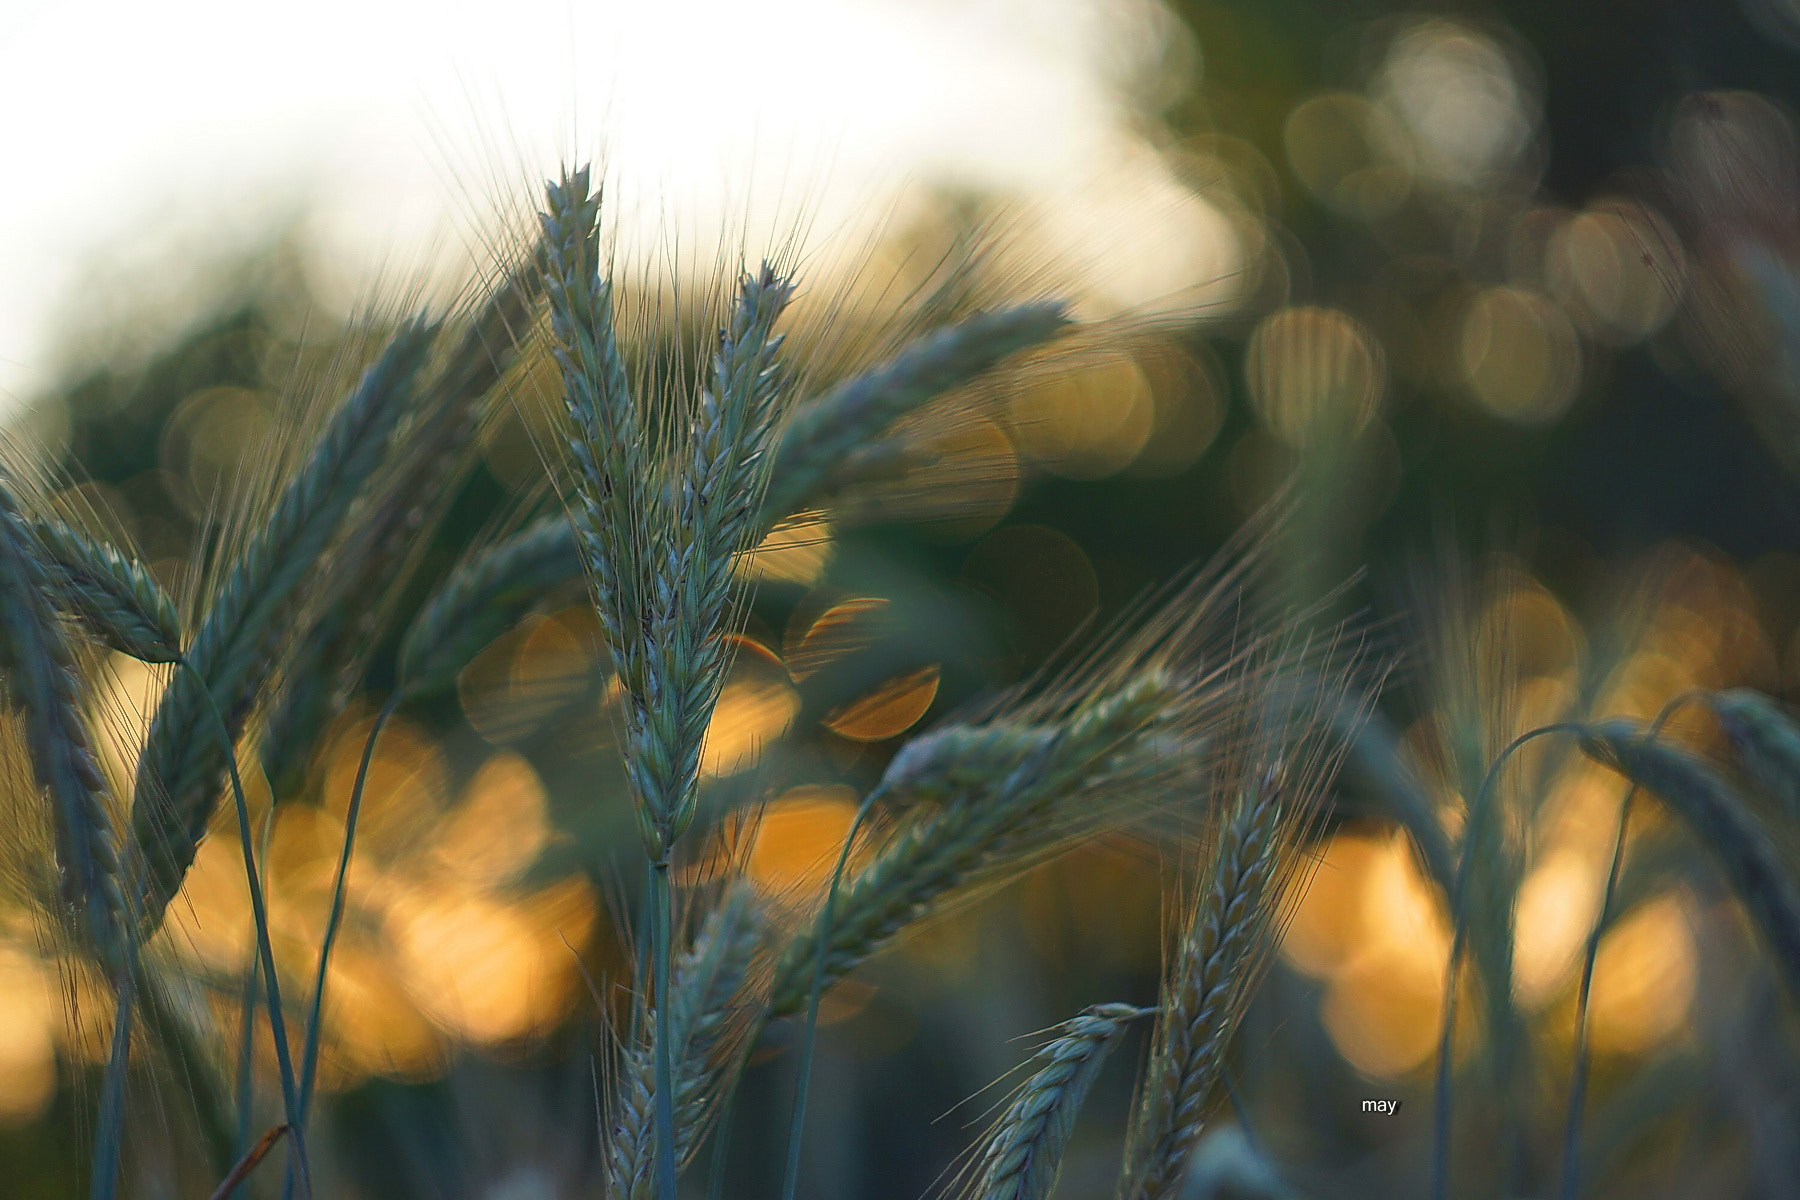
(1024, 1152)
(713, 1010)
(113, 596)
(42, 686)
(1711, 808)
(1767, 739)
(614, 474)
(179, 771)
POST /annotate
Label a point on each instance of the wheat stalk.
(1722, 822)
(1767, 741)
(1024, 1152)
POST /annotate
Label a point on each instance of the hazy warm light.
(757, 704)
(1087, 422)
(394, 122)
(1314, 373)
(30, 1015)
(799, 837)
(1644, 978)
(1520, 355)
(1557, 904)
(488, 968)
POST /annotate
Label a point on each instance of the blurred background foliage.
(1518, 306)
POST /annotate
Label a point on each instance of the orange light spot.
(799, 837)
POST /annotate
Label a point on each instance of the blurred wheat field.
(989, 707)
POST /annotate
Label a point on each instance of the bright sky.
(391, 120)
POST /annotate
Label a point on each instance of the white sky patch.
(393, 123)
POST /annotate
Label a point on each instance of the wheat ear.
(826, 432)
(1767, 741)
(1008, 794)
(1024, 1153)
(482, 590)
(111, 594)
(42, 684)
(716, 499)
(418, 480)
(713, 1007)
(43, 687)
(1719, 818)
(1208, 986)
(483, 598)
(182, 764)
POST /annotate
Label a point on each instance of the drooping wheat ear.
(715, 1004)
(1767, 740)
(1007, 796)
(1720, 819)
(1210, 979)
(1024, 1153)
(820, 443)
(418, 480)
(183, 761)
(114, 597)
(42, 686)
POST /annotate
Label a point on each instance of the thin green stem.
(290, 1095)
(246, 1050)
(1578, 1066)
(662, 918)
(110, 1134)
(809, 1035)
(1440, 1141)
(309, 1058)
(715, 1186)
(309, 1064)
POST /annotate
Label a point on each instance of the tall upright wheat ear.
(1269, 797)
(666, 494)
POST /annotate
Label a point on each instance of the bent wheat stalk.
(1722, 822)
